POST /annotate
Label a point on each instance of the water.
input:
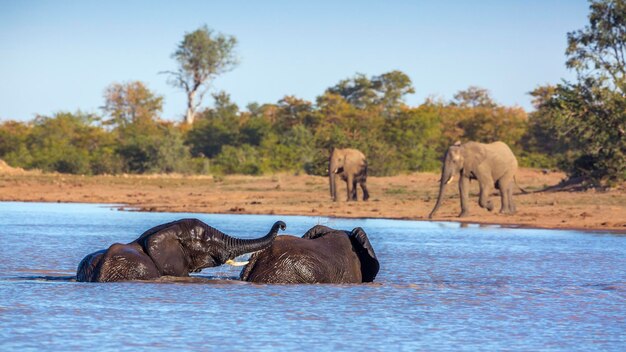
(441, 287)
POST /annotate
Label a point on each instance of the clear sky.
(61, 55)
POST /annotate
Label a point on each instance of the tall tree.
(591, 113)
(201, 56)
(599, 49)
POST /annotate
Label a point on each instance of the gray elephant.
(351, 166)
(322, 255)
(493, 165)
(173, 249)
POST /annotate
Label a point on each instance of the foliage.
(65, 142)
(591, 119)
(154, 146)
(292, 135)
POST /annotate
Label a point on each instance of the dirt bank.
(399, 197)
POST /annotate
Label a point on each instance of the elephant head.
(351, 166)
(452, 165)
(322, 255)
(174, 249)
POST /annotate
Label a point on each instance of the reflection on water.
(440, 287)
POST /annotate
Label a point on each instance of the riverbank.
(398, 197)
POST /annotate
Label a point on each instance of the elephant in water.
(493, 165)
(322, 255)
(351, 166)
(173, 249)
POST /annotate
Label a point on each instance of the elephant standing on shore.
(351, 166)
(322, 255)
(493, 165)
(173, 249)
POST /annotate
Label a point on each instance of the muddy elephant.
(351, 166)
(493, 165)
(173, 249)
(322, 255)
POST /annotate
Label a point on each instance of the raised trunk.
(237, 246)
(446, 177)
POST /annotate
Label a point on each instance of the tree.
(590, 114)
(392, 87)
(599, 50)
(201, 56)
(385, 92)
(474, 97)
(131, 102)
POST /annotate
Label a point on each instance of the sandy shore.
(398, 197)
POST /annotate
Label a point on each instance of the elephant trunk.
(239, 246)
(331, 180)
(333, 187)
(446, 177)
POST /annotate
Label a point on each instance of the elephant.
(322, 255)
(173, 249)
(351, 165)
(493, 165)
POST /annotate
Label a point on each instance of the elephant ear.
(365, 252)
(317, 231)
(474, 154)
(162, 244)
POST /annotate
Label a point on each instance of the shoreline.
(404, 197)
(461, 223)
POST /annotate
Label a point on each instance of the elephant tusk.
(234, 263)
(450, 180)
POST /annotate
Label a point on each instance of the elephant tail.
(518, 186)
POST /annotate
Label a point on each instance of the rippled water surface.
(441, 287)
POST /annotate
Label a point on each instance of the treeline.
(293, 135)
(579, 127)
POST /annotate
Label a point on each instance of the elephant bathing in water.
(351, 166)
(174, 249)
(493, 165)
(322, 255)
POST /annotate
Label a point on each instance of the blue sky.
(61, 55)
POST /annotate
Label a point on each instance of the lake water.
(441, 287)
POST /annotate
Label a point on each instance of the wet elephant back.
(126, 262)
(327, 259)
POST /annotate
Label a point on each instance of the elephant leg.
(486, 187)
(354, 183)
(512, 208)
(506, 194)
(366, 194)
(504, 199)
(464, 192)
(349, 184)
